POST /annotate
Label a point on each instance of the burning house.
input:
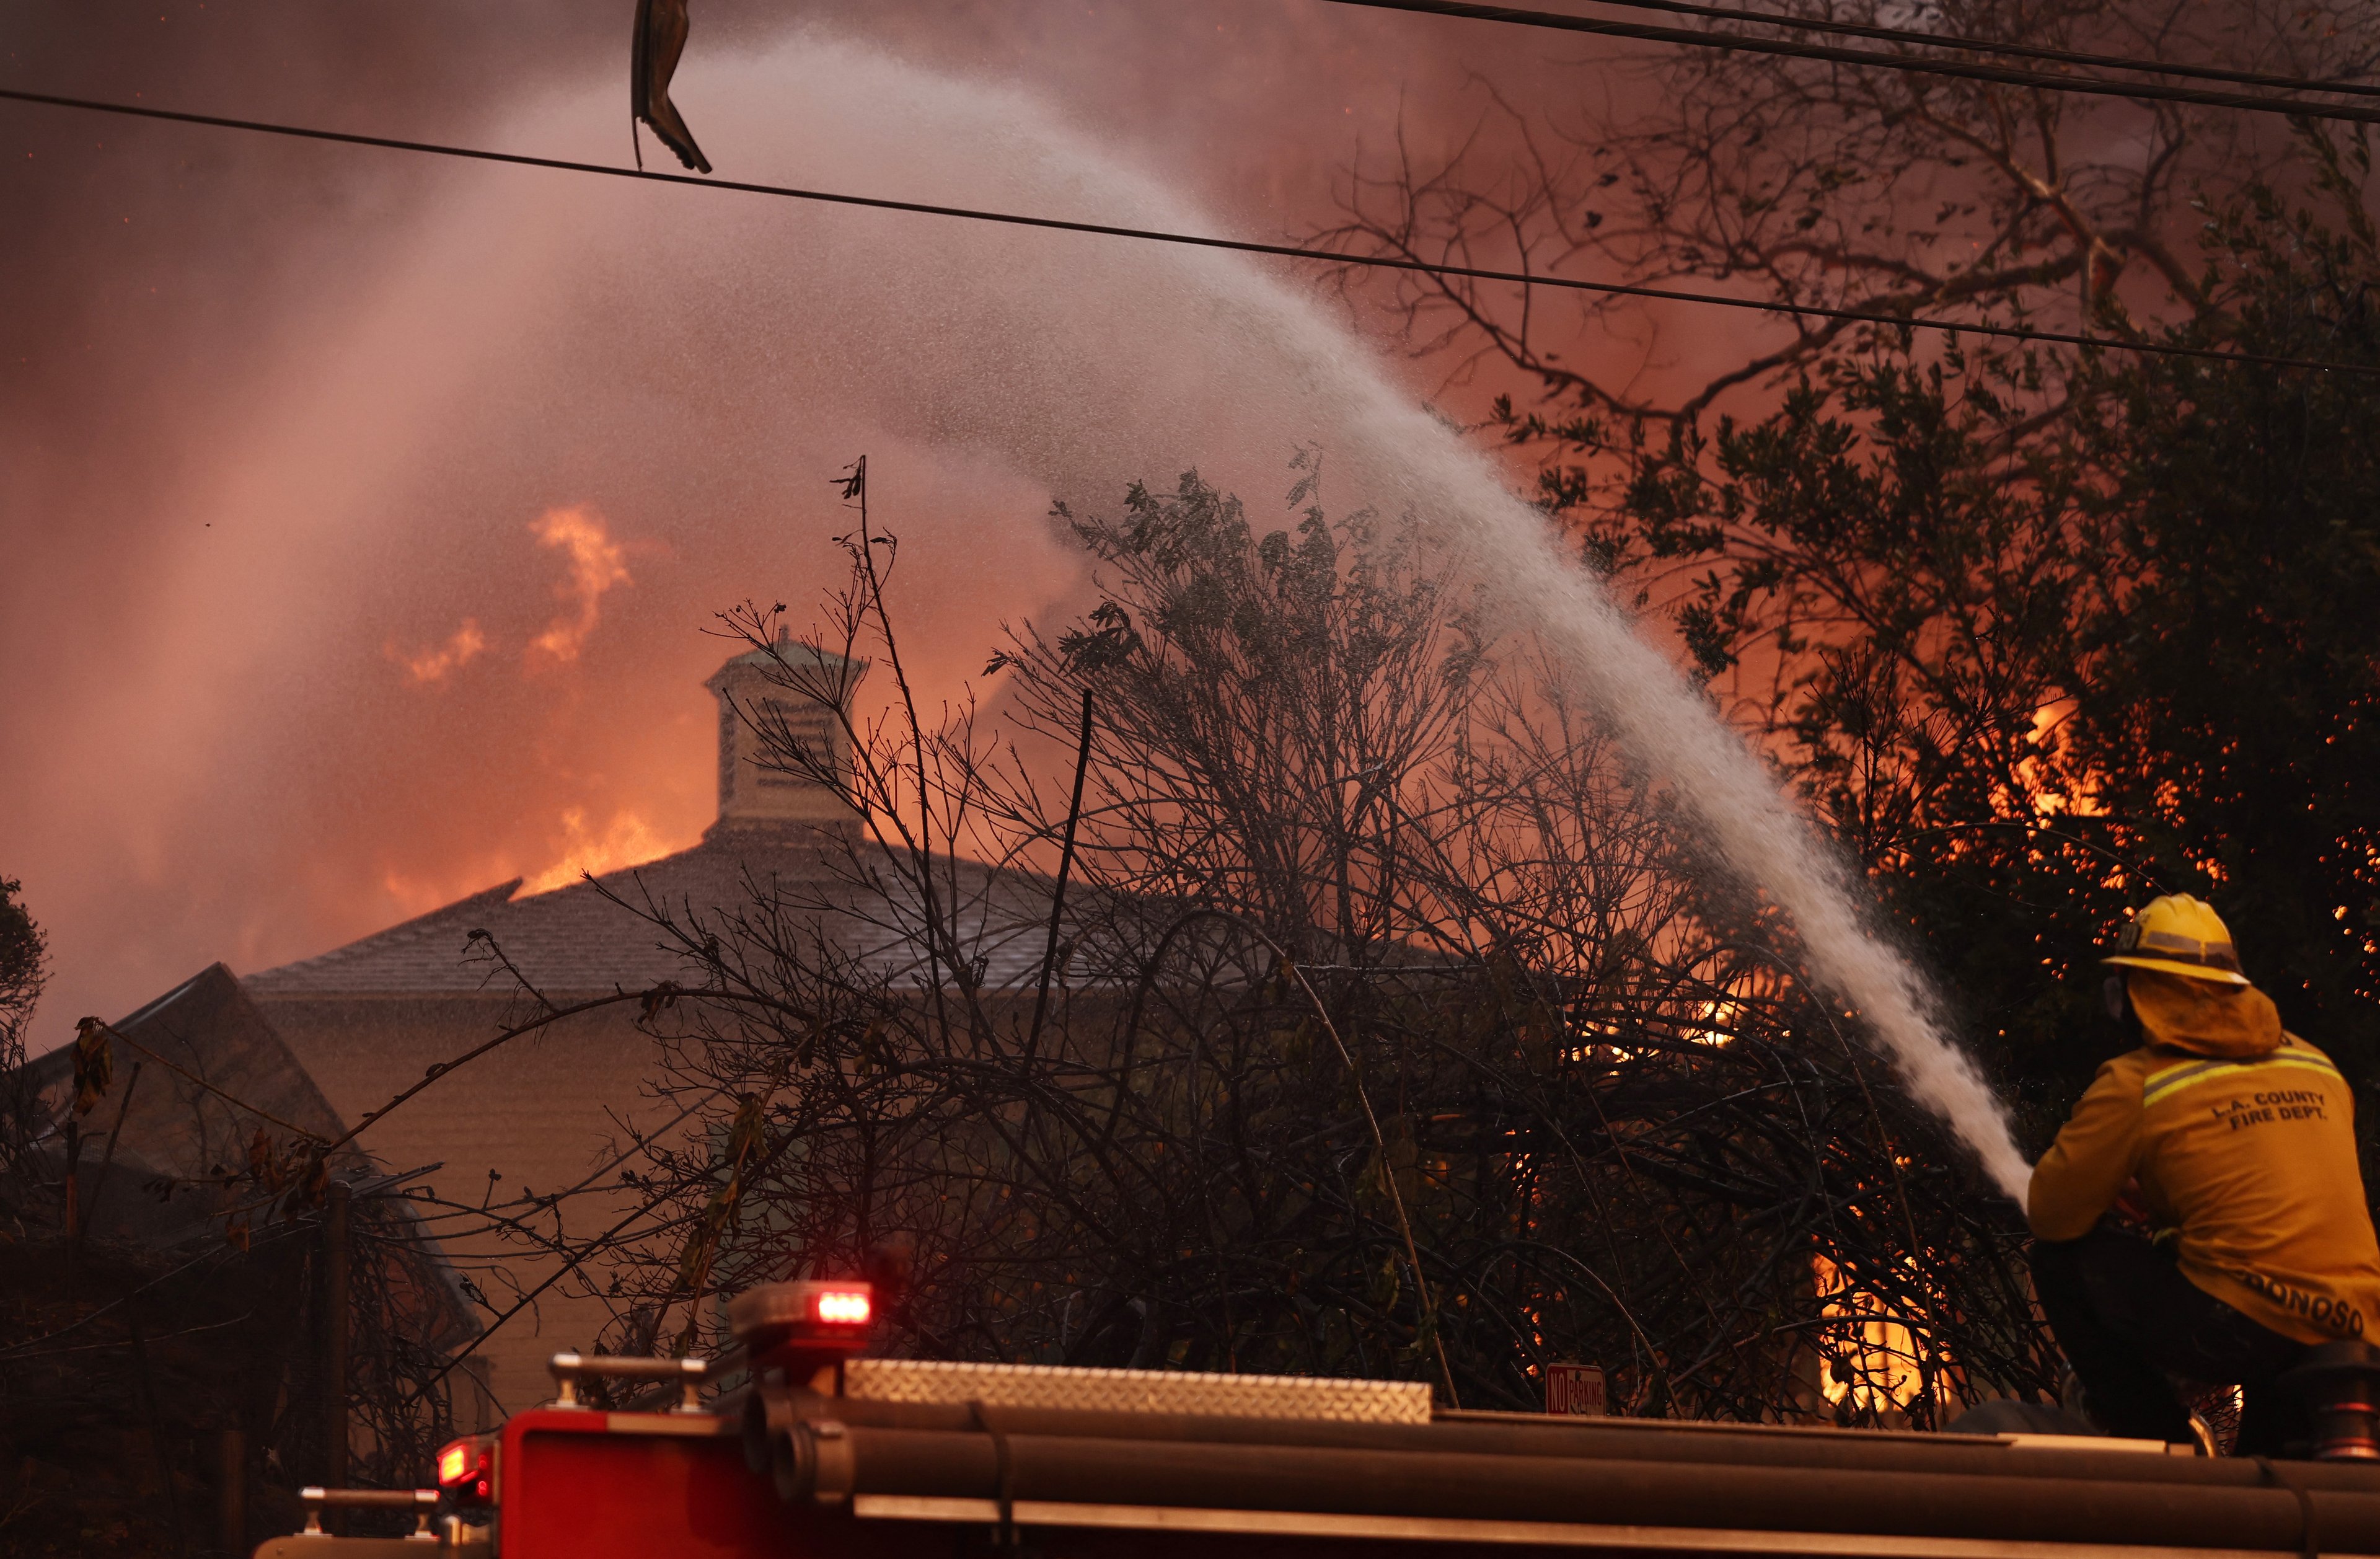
(525, 1138)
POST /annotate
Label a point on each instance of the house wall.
(544, 1111)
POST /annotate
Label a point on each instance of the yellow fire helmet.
(2178, 934)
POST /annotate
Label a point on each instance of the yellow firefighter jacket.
(2242, 1138)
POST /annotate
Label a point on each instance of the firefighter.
(2202, 1214)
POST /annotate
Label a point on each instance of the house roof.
(214, 1071)
(199, 1074)
(600, 935)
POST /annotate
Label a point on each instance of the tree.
(24, 964)
(2033, 675)
(1808, 182)
(2232, 716)
(1930, 578)
(24, 969)
(1271, 713)
(1924, 575)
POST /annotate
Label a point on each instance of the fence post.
(334, 1336)
(231, 1503)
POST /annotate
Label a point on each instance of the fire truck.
(817, 1451)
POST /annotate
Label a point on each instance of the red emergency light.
(809, 1325)
(466, 1473)
(842, 1306)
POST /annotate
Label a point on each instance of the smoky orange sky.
(364, 515)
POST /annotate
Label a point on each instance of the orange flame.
(628, 840)
(597, 562)
(1873, 1347)
(436, 666)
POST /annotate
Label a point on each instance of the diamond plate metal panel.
(1138, 1390)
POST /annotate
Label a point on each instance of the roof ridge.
(418, 926)
(597, 940)
(585, 878)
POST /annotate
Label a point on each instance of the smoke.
(275, 422)
(1075, 366)
(220, 756)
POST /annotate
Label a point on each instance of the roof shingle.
(580, 939)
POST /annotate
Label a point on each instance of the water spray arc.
(1265, 343)
(1668, 726)
(524, 330)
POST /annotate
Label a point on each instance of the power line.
(1964, 70)
(1193, 240)
(2015, 50)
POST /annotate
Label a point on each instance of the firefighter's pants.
(2128, 1319)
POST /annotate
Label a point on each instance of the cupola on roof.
(781, 836)
(769, 699)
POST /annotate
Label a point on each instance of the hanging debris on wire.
(661, 38)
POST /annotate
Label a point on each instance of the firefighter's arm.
(2095, 1152)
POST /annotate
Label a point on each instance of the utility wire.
(1965, 70)
(1922, 39)
(1194, 241)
